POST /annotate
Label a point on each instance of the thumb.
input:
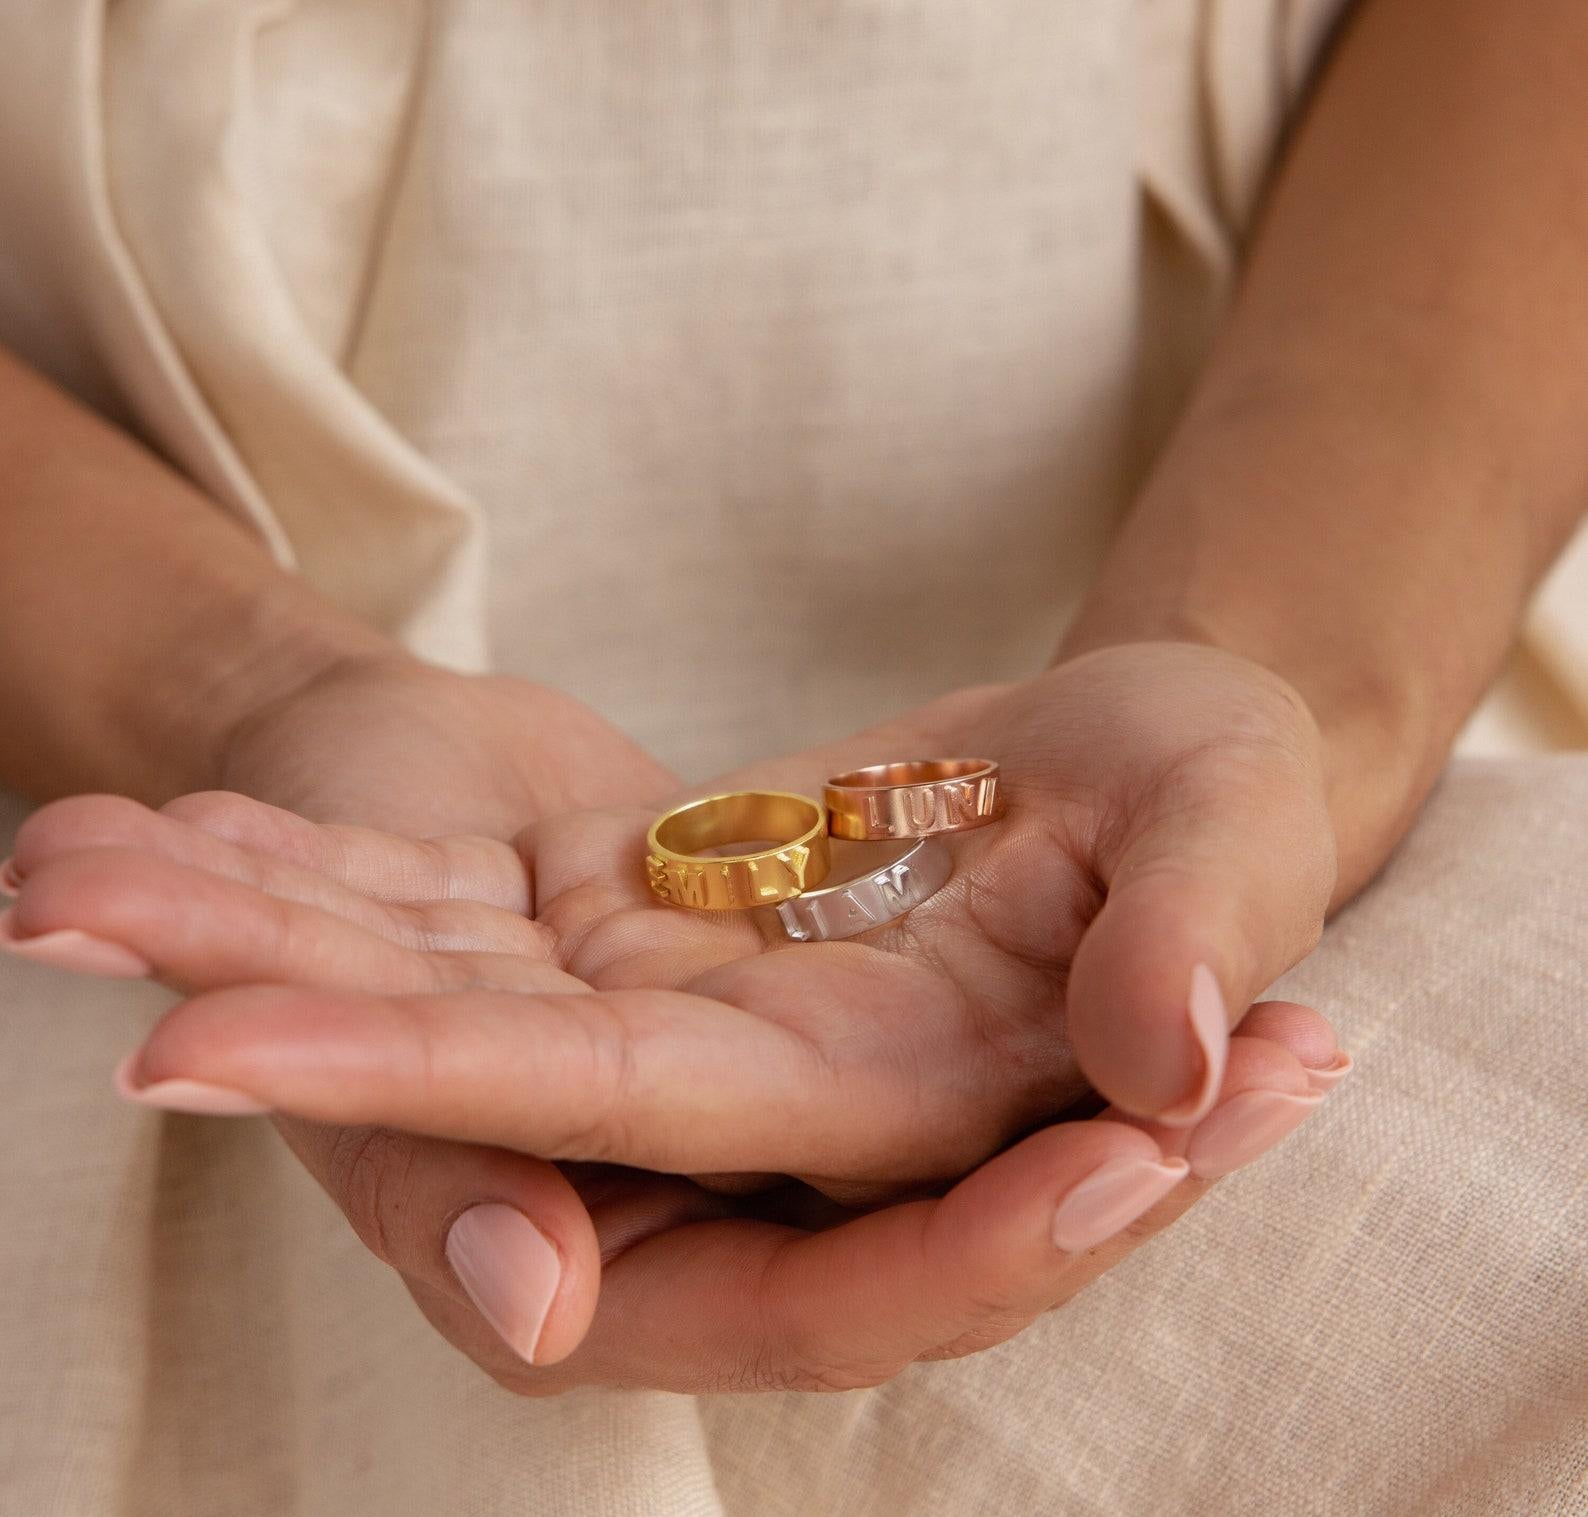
(502, 1237)
(1218, 885)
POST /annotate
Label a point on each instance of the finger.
(624, 1207)
(196, 930)
(84, 822)
(662, 1080)
(501, 1237)
(1306, 1034)
(1267, 1092)
(753, 1306)
(1265, 1095)
(756, 1306)
(1219, 886)
(106, 821)
(110, 821)
(379, 864)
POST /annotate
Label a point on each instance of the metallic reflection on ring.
(683, 870)
(869, 900)
(915, 798)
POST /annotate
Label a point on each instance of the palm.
(419, 752)
(683, 1042)
(950, 1022)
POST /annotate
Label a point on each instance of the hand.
(1167, 854)
(699, 1293)
(392, 743)
(387, 740)
(778, 1331)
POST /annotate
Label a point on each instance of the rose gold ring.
(917, 798)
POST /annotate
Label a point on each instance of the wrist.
(229, 662)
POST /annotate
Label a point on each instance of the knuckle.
(989, 1310)
(993, 1330)
(452, 971)
(601, 1064)
(371, 1175)
(824, 1377)
(439, 867)
(409, 924)
(811, 1362)
(474, 927)
(286, 936)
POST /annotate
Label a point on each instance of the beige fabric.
(516, 324)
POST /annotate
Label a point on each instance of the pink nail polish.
(192, 1096)
(10, 880)
(1330, 1075)
(1210, 1026)
(510, 1270)
(1245, 1127)
(1110, 1198)
(70, 949)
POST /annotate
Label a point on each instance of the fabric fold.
(176, 318)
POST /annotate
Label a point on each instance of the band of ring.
(869, 900)
(915, 798)
(798, 859)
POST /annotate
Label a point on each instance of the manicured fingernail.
(10, 880)
(185, 1095)
(1325, 1079)
(509, 1269)
(1244, 1127)
(1110, 1198)
(70, 949)
(1210, 1026)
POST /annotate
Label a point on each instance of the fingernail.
(1244, 1127)
(185, 1095)
(1210, 1026)
(1325, 1079)
(509, 1269)
(1110, 1198)
(68, 948)
(10, 880)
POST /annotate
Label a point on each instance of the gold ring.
(682, 874)
(916, 798)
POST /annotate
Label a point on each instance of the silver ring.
(868, 900)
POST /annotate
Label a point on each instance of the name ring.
(869, 900)
(915, 798)
(684, 872)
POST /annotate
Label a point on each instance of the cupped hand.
(698, 1292)
(394, 743)
(1167, 853)
(254, 895)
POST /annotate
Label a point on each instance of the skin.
(698, 1291)
(1316, 584)
(824, 1060)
